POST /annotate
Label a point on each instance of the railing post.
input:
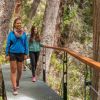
(87, 82)
(85, 75)
(65, 76)
(3, 90)
(44, 64)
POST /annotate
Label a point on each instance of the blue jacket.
(17, 44)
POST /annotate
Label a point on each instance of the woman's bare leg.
(13, 66)
(19, 71)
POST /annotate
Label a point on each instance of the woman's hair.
(18, 18)
(34, 35)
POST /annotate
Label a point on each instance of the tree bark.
(49, 29)
(33, 9)
(6, 9)
(17, 10)
(96, 47)
(59, 23)
(32, 12)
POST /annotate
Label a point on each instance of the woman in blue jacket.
(16, 52)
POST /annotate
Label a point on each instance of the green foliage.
(2, 55)
(75, 82)
(1, 98)
(25, 10)
(69, 14)
(26, 5)
(58, 66)
(38, 18)
(37, 21)
(55, 74)
(75, 76)
(87, 13)
(72, 22)
(78, 20)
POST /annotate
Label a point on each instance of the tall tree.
(59, 22)
(49, 28)
(17, 9)
(32, 12)
(6, 9)
(33, 8)
(96, 47)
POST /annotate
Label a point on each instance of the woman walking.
(34, 49)
(16, 52)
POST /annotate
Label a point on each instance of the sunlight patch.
(25, 98)
(1, 11)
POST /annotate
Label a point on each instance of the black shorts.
(19, 57)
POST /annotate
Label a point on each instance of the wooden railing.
(86, 60)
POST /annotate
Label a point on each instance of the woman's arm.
(8, 44)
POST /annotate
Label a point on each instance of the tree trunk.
(32, 12)
(17, 9)
(6, 9)
(59, 23)
(33, 9)
(96, 47)
(49, 28)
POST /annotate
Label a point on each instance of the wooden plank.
(28, 90)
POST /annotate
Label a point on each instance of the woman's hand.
(7, 58)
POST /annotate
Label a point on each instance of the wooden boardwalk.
(28, 90)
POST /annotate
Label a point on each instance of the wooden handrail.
(86, 60)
